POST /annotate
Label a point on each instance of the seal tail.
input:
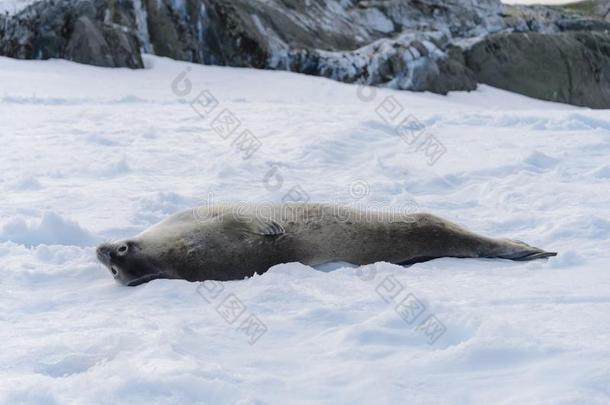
(520, 251)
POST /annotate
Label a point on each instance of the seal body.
(229, 242)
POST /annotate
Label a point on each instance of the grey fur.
(229, 242)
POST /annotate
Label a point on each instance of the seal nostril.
(114, 271)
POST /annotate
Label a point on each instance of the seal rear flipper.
(540, 255)
(521, 251)
(522, 257)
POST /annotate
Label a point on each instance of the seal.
(230, 242)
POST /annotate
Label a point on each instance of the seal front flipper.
(248, 226)
(266, 227)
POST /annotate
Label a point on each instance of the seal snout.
(103, 253)
(126, 266)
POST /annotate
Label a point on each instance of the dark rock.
(595, 8)
(124, 47)
(552, 19)
(570, 67)
(163, 29)
(233, 35)
(583, 25)
(78, 30)
(453, 74)
(88, 45)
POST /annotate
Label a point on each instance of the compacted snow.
(91, 154)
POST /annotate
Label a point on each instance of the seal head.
(128, 263)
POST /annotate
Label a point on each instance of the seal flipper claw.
(267, 227)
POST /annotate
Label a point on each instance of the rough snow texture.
(90, 154)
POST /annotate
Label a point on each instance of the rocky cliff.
(96, 32)
(420, 45)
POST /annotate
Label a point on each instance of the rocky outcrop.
(596, 8)
(175, 29)
(419, 45)
(400, 44)
(96, 32)
(545, 19)
(418, 61)
(570, 67)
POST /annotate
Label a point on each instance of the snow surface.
(90, 154)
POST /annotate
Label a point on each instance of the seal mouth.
(145, 279)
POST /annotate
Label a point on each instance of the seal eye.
(122, 249)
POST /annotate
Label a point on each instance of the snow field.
(90, 154)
